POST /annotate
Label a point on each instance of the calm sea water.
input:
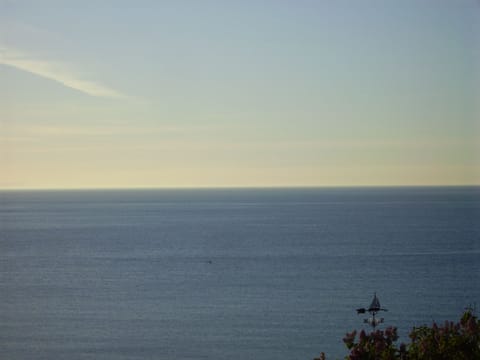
(218, 274)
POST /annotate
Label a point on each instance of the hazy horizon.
(233, 188)
(216, 94)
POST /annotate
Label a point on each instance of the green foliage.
(460, 341)
(452, 341)
(378, 345)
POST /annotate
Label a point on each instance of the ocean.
(218, 274)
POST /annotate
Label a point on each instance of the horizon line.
(233, 187)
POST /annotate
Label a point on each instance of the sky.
(121, 94)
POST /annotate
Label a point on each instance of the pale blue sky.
(239, 93)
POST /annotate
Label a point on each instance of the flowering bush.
(452, 341)
(460, 341)
(378, 345)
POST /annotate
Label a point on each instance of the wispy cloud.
(55, 71)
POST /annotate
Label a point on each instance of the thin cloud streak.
(54, 71)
